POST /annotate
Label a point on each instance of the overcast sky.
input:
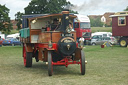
(85, 7)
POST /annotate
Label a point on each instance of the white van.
(2, 36)
(16, 35)
(102, 34)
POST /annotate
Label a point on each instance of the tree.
(18, 18)
(126, 9)
(5, 25)
(46, 6)
(96, 22)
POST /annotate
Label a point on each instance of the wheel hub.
(123, 43)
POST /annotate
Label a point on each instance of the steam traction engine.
(58, 47)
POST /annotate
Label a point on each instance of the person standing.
(0, 42)
(81, 42)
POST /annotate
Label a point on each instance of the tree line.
(38, 7)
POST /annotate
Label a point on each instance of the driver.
(70, 26)
(69, 29)
(54, 24)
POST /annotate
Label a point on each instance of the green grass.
(101, 29)
(106, 66)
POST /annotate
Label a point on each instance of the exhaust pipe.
(65, 19)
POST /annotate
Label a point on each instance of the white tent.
(16, 35)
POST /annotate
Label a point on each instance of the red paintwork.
(24, 55)
(119, 30)
(39, 45)
(66, 61)
(76, 45)
(1, 40)
(48, 28)
(54, 46)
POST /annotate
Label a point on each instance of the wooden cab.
(39, 32)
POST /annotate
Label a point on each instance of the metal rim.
(50, 66)
(123, 42)
(82, 65)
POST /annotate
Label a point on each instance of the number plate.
(66, 35)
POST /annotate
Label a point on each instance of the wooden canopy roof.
(51, 16)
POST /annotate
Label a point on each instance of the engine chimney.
(65, 19)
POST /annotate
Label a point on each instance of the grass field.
(101, 29)
(106, 66)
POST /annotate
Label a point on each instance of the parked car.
(11, 41)
(16, 35)
(1, 40)
(99, 40)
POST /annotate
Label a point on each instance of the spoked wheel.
(50, 66)
(123, 42)
(82, 65)
(27, 56)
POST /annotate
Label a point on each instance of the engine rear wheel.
(27, 56)
(50, 66)
(123, 42)
(82, 65)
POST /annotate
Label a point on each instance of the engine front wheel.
(82, 65)
(27, 56)
(50, 66)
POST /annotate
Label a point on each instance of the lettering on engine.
(67, 40)
(66, 35)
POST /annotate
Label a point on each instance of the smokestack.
(65, 19)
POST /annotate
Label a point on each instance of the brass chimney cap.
(65, 11)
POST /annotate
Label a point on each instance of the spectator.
(81, 42)
(0, 42)
(81, 39)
